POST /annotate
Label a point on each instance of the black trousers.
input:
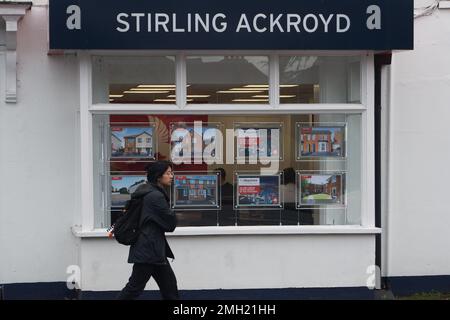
(163, 275)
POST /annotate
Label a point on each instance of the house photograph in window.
(202, 140)
(191, 190)
(321, 141)
(320, 189)
(259, 140)
(132, 142)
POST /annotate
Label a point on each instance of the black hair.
(289, 175)
(155, 170)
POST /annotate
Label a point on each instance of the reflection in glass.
(228, 79)
(311, 79)
(149, 80)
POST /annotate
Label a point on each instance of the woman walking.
(150, 252)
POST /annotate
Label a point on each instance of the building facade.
(248, 238)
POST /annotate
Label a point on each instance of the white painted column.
(12, 13)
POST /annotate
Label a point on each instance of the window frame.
(365, 109)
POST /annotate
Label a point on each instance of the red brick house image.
(333, 186)
(321, 141)
(200, 138)
(198, 190)
(321, 189)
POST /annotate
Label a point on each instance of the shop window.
(312, 182)
(232, 79)
(227, 79)
(312, 79)
(149, 80)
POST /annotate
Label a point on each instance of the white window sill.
(444, 4)
(243, 230)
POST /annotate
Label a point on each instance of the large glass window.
(149, 80)
(315, 161)
(227, 79)
(233, 167)
(313, 79)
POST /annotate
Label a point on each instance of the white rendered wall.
(238, 262)
(417, 226)
(39, 157)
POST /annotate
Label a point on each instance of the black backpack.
(126, 228)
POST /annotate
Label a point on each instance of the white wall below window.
(241, 262)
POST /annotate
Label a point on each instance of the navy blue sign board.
(232, 24)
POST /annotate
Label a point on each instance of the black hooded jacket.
(156, 219)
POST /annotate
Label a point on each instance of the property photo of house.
(132, 142)
(258, 142)
(195, 190)
(320, 189)
(200, 137)
(321, 141)
(122, 187)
